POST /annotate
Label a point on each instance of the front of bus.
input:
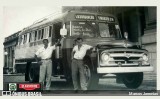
(114, 54)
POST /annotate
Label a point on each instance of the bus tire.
(33, 77)
(91, 76)
(132, 80)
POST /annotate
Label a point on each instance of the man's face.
(79, 42)
(45, 42)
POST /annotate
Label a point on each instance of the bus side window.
(57, 28)
(50, 31)
(45, 32)
(39, 34)
(27, 37)
(42, 36)
(30, 37)
(35, 36)
(20, 40)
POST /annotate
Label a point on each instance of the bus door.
(57, 62)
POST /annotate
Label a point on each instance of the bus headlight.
(145, 57)
(104, 57)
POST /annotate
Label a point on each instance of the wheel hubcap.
(87, 73)
(31, 74)
(129, 79)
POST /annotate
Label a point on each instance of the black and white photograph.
(80, 50)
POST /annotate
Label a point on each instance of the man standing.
(78, 53)
(45, 63)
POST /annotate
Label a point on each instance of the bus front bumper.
(105, 70)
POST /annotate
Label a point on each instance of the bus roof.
(68, 16)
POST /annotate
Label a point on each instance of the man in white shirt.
(45, 54)
(78, 53)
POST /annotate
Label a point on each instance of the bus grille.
(123, 58)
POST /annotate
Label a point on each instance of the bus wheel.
(133, 80)
(91, 77)
(33, 77)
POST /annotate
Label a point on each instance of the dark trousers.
(77, 66)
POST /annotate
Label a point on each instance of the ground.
(105, 84)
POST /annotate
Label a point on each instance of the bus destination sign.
(106, 18)
(85, 16)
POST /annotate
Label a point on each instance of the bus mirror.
(63, 31)
(126, 35)
(5, 53)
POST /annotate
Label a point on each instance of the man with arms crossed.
(45, 54)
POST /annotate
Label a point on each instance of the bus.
(113, 54)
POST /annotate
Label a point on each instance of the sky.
(17, 18)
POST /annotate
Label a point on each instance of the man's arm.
(54, 47)
(73, 52)
(36, 58)
(88, 47)
(92, 48)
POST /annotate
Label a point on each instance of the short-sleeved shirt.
(45, 53)
(80, 53)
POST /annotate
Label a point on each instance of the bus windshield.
(109, 30)
(90, 29)
(84, 28)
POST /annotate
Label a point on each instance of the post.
(139, 26)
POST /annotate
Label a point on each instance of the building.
(9, 47)
(139, 22)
